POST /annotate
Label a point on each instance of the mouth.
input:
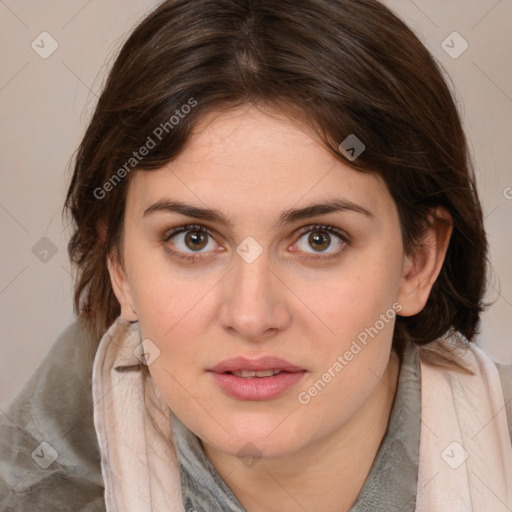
(259, 367)
(249, 374)
(256, 379)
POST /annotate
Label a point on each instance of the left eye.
(321, 239)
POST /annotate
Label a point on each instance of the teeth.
(254, 373)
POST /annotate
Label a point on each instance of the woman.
(280, 269)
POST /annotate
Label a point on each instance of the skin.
(252, 164)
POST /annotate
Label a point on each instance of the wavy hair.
(338, 66)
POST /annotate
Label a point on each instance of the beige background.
(45, 105)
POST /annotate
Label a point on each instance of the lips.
(256, 379)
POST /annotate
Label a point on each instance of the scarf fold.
(465, 449)
(138, 462)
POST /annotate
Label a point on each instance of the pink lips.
(256, 388)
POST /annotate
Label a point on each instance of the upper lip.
(261, 363)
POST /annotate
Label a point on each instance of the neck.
(328, 475)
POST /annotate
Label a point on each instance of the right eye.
(189, 241)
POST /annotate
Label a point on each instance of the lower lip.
(257, 388)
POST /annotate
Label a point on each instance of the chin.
(266, 437)
(248, 447)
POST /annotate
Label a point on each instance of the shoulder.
(63, 375)
(505, 373)
(48, 447)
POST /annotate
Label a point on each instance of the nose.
(254, 304)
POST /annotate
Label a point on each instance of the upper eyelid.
(327, 227)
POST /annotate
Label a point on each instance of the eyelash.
(192, 258)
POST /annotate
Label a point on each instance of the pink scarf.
(465, 450)
(465, 447)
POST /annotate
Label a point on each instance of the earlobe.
(422, 268)
(121, 288)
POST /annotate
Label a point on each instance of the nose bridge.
(254, 303)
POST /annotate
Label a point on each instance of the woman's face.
(232, 263)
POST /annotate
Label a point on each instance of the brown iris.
(196, 240)
(319, 240)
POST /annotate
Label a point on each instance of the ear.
(422, 268)
(121, 288)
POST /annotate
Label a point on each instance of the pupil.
(197, 239)
(320, 239)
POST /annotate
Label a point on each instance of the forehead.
(245, 159)
(225, 136)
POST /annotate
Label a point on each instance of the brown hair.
(339, 66)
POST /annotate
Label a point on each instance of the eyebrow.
(286, 217)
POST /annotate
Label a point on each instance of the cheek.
(354, 297)
(358, 316)
(165, 295)
(352, 355)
